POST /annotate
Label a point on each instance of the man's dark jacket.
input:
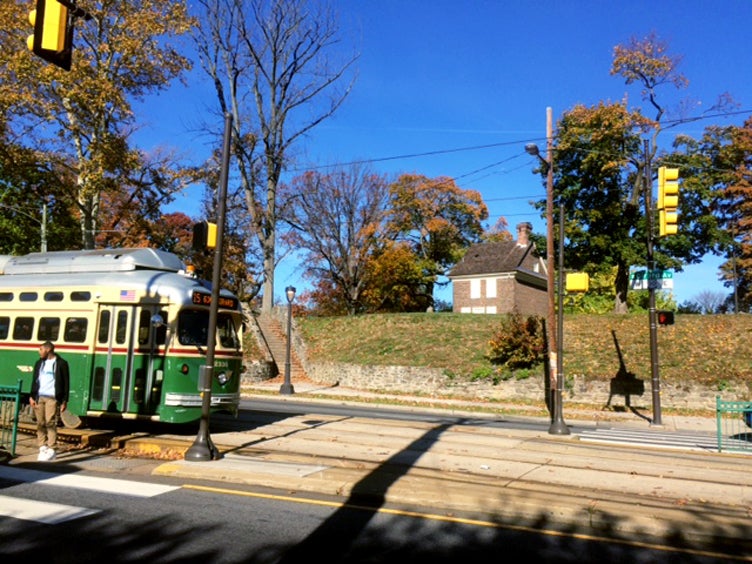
(62, 379)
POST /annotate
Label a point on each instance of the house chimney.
(523, 233)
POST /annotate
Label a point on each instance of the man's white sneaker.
(46, 454)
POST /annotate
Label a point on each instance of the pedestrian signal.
(665, 318)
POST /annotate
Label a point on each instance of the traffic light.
(204, 235)
(53, 33)
(668, 201)
(665, 318)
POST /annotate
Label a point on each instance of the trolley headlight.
(223, 378)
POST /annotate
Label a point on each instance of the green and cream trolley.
(132, 324)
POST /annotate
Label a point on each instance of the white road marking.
(83, 482)
(41, 511)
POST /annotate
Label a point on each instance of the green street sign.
(651, 279)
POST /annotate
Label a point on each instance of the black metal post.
(558, 427)
(203, 448)
(287, 388)
(654, 366)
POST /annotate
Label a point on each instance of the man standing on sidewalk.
(49, 397)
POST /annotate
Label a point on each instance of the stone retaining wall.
(433, 382)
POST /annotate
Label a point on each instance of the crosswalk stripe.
(651, 438)
(83, 482)
(41, 511)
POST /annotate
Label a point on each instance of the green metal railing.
(734, 425)
(10, 404)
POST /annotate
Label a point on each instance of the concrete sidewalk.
(512, 472)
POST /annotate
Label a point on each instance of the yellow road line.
(474, 522)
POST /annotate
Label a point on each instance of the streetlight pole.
(558, 427)
(287, 388)
(43, 246)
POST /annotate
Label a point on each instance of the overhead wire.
(519, 142)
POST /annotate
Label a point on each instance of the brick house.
(501, 277)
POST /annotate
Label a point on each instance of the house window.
(490, 287)
(475, 289)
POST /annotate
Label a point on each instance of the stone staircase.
(275, 336)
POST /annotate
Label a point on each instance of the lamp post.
(287, 388)
(557, 426)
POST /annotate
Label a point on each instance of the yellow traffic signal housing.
(204, 235)
(53, 33)
(577, 282)
(668, 201)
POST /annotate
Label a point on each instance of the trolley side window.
(49, 329)
(121, 329)
(104, 326)
(75, 329)
(23, 328)
(4, 327)
(53, 296)
(6, 296)
(28, 296)
(80, 296)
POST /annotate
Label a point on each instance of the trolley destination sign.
(200, 298)
(651, 280)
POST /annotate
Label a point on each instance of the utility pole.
(548, 163)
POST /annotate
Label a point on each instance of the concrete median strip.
(237, 463)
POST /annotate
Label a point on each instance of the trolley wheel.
(70, 420)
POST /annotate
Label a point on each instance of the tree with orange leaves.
(438, 220)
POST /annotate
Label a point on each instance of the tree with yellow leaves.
(79, 122)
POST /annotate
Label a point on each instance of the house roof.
(492, 258)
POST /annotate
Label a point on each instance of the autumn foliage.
(518, 342)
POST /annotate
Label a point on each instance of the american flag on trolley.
(127, 295)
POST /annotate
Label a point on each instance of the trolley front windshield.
(193, 327)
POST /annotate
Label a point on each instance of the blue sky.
(457, 89)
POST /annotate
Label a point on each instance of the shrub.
(519, 342)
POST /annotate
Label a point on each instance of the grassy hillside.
(712, 349)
